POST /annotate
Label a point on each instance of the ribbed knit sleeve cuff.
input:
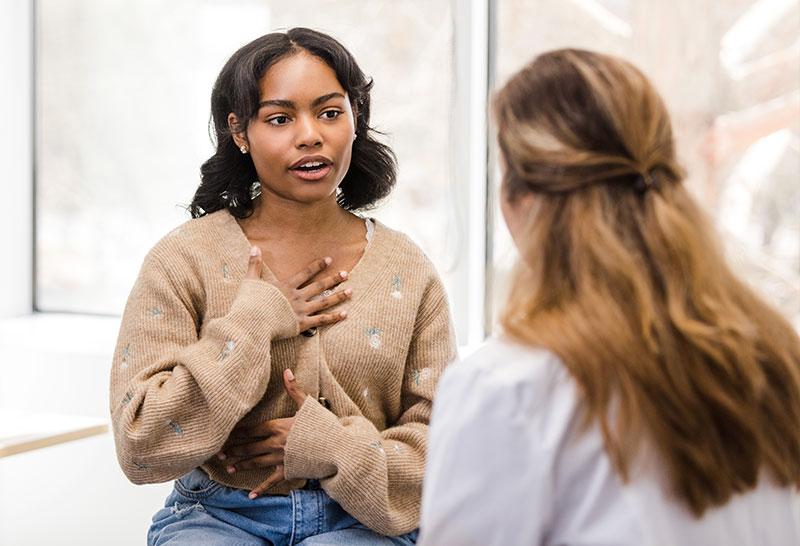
(312, 443)
(259, 302)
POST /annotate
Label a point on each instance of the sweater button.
(310, 332)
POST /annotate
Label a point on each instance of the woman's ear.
(238, 134)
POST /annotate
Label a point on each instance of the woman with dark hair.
(639, 394)
(290, 405)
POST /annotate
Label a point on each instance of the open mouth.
(311, 167)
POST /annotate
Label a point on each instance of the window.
(730, 75)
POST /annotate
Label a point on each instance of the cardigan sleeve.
(176, 393)
(377, 475)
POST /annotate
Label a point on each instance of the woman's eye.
(278, 120)
(331, 114)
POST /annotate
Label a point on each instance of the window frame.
(17, 154)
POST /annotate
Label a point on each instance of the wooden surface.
(22, 431)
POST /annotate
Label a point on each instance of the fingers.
(255, 264)
(275, 478)
(263, 429)
(270, 459)
(310, 270)
(321, 320)
(329, 301)
(295, 392)
(251, 449)
(316, 288)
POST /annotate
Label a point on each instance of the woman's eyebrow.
(326, 98)
(283, 103)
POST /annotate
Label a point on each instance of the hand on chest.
(286, 258)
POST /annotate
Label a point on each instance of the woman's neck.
(277, 218)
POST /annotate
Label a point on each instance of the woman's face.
(302, 136)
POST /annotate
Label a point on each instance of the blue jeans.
(200, 512)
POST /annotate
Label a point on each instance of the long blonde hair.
(621, 276)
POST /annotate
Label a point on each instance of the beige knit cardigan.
(201, 349)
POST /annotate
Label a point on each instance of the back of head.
(622, 278)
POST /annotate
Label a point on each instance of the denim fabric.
(200, 511)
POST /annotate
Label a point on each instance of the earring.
(243, 149)
(355, 136)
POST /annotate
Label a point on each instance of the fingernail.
(343, 274)
(348, 292)
(221, 456)
(252, 496)
(328, 260)
(253, 251)
(231, 469)
(343, 314)
(289, 374)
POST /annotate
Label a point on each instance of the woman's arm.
(377, 475)
(176, 394)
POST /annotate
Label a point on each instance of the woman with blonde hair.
(639, 393)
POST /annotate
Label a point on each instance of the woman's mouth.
(311, 170)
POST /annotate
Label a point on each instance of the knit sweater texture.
(202, 350)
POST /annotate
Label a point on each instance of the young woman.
(639, 394)
(290, 403)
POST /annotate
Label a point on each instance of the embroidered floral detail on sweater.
(176, 428)
(126, 355)
(374, 337)
(128, 398)
(420, 375)
(397, 288)
(226, 273)
(141, 466)
(378, 446)
(398, 449)
(227, 349)
(155, 312)
(365, 392)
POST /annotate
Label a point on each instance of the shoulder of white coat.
(521, 377)
(506, 361)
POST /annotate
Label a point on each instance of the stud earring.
(243, 149)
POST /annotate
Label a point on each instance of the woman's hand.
(263, 445)
(301, 295)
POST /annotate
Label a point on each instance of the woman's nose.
(308, 133)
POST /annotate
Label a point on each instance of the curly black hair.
(226, 177)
